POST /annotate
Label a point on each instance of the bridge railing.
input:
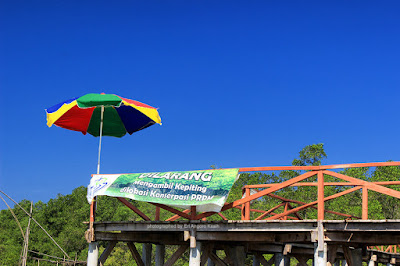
(257, 191)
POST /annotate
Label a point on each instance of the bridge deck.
(293, 238)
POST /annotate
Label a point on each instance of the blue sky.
(237, 83)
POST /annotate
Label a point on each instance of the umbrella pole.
(101, 134)
(93, 253)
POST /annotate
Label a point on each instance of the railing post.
(364, 203)
(285, 210)
(193, 212)
(247, 205)
(321, 196)
(157, 216)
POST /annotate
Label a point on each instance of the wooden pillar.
(160, 254)
(194, 258)
(240, 255)
(332, 252)
(356, 257)
(210, 262)
(364, 203)
(256, 261)
(146, 254)
(321, 196)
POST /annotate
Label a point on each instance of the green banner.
(206, 189)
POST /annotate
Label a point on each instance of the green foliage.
(311, 155)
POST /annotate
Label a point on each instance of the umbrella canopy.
(120, 115)
(102, 115)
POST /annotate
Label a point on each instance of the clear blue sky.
(237, 83)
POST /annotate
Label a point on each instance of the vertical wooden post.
(160, 249)
(192, 212)
(285, 210)
(240, 255)
(256, 261)
(247, 205)
(146, 254)
(321, 196)
(157, 216)
(160, 254)
(364, 203)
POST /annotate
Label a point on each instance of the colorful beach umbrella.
(102, 115)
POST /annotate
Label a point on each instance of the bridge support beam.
(146, 254)
(256, 261)
(160, 254)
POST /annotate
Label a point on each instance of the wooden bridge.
(266, 237)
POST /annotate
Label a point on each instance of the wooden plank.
(231, 236)
(107, 252)
(366, 238)
(264, 248)
(135, 254)
(143, 237)
(176, 255)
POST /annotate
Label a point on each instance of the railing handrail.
(319, 167)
